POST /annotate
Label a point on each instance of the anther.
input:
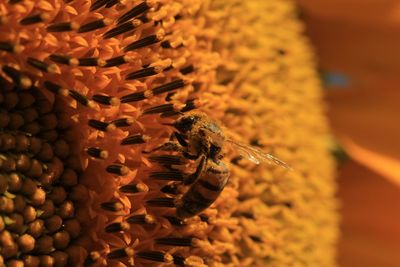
(141, 219)
(159, 109)
(146, 41)
(171, 189)
(37, 18)
(117, 169)
(167, 176)
(157, 256)
(117, 61)
(80, 98)
(169, 87)
(175, 220)
(63, 27)
(101, 125)
(161, 202)
(97, 152)
(138, 96)
(187, 70)
(94, 25)
(121, 253)
(63, 59)
(106, 100)
(55, 88)
(175, 241)
(40, 65)
(135, 11)
(22, 80)
(112, 3)
(112, 206)
(141, 73)
(135, 139)
(10, 47)
(122, 28)
(168, 159)
(98, 4)
(117, 227)
(123, 122)
(91, 62)
(134, 188)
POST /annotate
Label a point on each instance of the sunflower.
(118, 75)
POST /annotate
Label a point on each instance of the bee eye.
(214, 151)
(185, 124)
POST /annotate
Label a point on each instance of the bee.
(201, 139)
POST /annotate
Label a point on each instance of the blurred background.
(358, 45)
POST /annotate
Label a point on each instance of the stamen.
(117, 169)
(167, 176)
(187, 70)
(91, 62)
(135, 11)
(146, 41)
(112, 206)
(169, 87)
(101, 125)
(175, 241)
(97, 152)
(63, 27)
(66, 60)
(138, 96)
(10, 47)
(117, 227)
(55, 88)
(171, 189)
(121, 253)
(34, 19)
(141, 219)
(82, 99)
(159, 109)
(106, 100)
(168, 159)
(117, 61)
(141, 73)
(166, 202)
(40, 65)
(135, 139)
(111, 3)
(175, 220)
(134, 188)
(94, 25)
(98, 4)
(122, 28)
(21, 79)
(133, 97)
(157, 256)
(123, 122)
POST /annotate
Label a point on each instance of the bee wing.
(256, 155)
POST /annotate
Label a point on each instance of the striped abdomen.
(204, 191)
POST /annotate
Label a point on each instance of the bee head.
(185, 123)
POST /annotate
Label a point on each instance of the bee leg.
(181, 139)
(168, 146)
(190, 179)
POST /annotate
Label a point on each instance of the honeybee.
(199, 138)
